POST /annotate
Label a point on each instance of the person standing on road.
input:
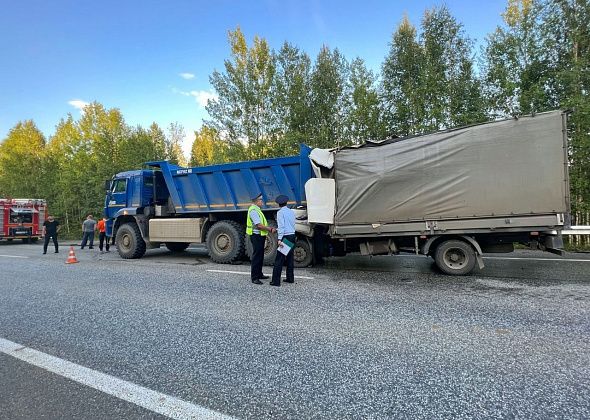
(286, 222)
(88, 227)
(102, 234)
(50, 229)
(257, 228)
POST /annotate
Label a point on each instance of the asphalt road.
(355, 338)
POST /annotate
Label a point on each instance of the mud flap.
(480, 263)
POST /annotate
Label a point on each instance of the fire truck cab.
(22, 218)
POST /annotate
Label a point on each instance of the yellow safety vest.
(250, 224)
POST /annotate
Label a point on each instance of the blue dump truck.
(452, 195)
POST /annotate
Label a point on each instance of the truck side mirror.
(107, 185)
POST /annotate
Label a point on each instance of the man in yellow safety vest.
(257, 228)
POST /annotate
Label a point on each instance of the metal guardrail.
(576, 230)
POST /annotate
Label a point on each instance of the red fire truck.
(22, 218)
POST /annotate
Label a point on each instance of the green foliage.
(365, 120)
(328, 102)
(401, 84)
(243, 108)
(21, 155)
(291, 100)
(173, 144)
(208, 148)
(428, 83)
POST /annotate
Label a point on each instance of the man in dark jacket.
(50, 229)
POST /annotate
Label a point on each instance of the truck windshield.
(119, 185)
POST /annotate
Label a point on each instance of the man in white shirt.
(286, 231)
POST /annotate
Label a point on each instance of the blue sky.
(152, 59)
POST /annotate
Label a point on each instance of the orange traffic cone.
(72, 257)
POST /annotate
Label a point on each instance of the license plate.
(21, 232)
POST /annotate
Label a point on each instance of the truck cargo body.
(453, 195)
(22, 219)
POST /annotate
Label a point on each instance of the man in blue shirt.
(257, 228)
(286, 230)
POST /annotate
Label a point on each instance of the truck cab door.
(118, 197)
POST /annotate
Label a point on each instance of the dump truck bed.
(231, 186)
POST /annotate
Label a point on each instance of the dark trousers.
(258, 242)
(46, 242)
(87, 236)
(280, 261)
(103, 238)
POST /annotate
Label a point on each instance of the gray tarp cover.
(501, 168)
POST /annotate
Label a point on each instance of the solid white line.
(535, 259)
(247, 273)
(13, 256)
(152, 400)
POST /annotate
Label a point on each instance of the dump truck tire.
(177, 246)
(455, 257)
(129, 242)
(303, 253)
(225, 242)
(270, 246)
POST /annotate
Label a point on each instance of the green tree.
(21, 157)
(138, 147)
(515, 72)
(328, 102)
(158, 139)
(174, 141)
(364, 119)
(208, 148)
(450, 90)
(242, 110)
(290, 100)
(66, 155)
(401, 82)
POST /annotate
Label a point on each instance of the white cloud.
(180, 92)
(203, 96)
(79, 104)
(187, 76)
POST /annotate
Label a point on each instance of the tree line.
(269, 101)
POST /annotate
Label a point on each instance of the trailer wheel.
(129, 242)
(225, 242)
(455, 257)
(177, 246)
(270, 246)
(302, 253)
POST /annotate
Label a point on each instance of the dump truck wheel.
(270, 246)
(303, 253)
(129, 242)
(454, 257)
(225, 242)
(177, 246)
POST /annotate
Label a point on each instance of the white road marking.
(13, 256)
(247, 273)
(152, 400)
(535, 259)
